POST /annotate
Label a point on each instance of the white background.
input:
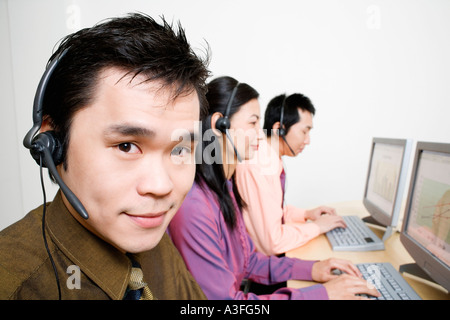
(371, 68)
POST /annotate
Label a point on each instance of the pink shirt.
(273, 229)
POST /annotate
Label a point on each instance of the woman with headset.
(209, 230)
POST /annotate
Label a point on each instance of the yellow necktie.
(137, 283)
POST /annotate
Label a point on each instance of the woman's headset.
(223, 123)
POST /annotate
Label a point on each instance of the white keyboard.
(356, 237)
(388, 281)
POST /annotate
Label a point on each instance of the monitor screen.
(386, 179)
(426, 227)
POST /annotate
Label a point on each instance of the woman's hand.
(322, 271)
(345, 286)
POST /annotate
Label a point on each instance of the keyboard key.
(356, 237)
(388, 281)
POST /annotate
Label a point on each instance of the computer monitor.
(426, 225)
(386, 179)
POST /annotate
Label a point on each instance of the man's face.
(298, 136)
(126, 161)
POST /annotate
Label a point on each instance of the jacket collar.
(109, 268)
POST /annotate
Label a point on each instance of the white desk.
(320, 249)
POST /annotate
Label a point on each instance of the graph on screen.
(433, 208)
(430, 211)
(384, 176)
(385, 179)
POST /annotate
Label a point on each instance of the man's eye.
(128, 147)
(180, 151)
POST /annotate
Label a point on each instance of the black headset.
(45, 147)
(282, 130)
(223, 123)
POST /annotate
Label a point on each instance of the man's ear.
(276, 127)
(47, 124)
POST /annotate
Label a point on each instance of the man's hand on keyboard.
(326, 218)
(328, 222)
(313, 214)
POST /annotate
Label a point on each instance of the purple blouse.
(219, 257)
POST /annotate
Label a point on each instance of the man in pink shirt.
(273, 226)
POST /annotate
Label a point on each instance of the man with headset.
(274, 227)
(107, 110)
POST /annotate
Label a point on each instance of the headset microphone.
(46, 145)
(223, 123)
(282, 130)
(235, 150)
(285, 141)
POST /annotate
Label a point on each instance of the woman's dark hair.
(136, 44)
(291, 104)
(210, 172)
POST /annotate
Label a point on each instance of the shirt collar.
(109, 268)
(268, 158)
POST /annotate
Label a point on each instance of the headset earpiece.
(223, 124)
(47, 140)
(282, 131)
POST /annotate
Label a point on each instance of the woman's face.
(245, 130)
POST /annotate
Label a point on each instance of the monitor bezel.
(429, 263)
(375, 212)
